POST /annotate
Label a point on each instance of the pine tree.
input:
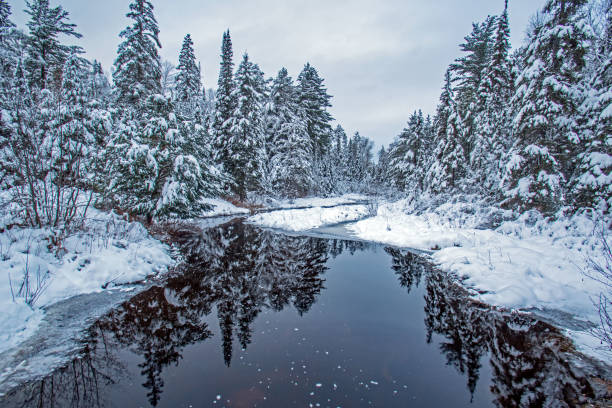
(225, 102)
(45, 54)
(74, 141)
(8, 53)
(188, 79)
(405, 156)
(592, 182)
(5, 22)
(546, 101)
(313, 98)
(468, 73)
(359, 161)
(492, 130)
(244, 147)
(450, 160)
(137, 72)
(289, 144)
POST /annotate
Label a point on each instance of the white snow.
(108, 252)
(309, 218)
(222, 207)
(317, 201)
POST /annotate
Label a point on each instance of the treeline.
(151, 143)
(529, 129)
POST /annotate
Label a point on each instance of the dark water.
(256, 318)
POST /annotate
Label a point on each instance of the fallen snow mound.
(309, 218)
(107, 252)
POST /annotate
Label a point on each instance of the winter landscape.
(167, 241)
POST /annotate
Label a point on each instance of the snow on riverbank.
(316, 201)
(525, 264)
(309, 218)
(108, 252)
(222, 208)
(528, 263)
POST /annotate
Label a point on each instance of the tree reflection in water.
(529, 358)
(239, 271)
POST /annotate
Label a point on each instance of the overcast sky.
(381, 59)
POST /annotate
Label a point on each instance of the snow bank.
(317, 201)
(108, 252)
(222, 207)
(309, 218)
(523, 264)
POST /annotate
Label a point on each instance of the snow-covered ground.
(309, 218)
(315, 201)
(526, 264)
(222, 208)
(110, 251)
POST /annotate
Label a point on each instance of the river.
(256, 318)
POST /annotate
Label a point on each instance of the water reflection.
(237, 271)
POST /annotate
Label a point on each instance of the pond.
(255, 318)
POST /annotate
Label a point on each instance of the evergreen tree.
(188, 79)
(492, 130)
(468, 73)
(543, 157)
(450, 159)
(592, 183)
(8, 53)
(359, 161)
(313, 98)
(290, 147)
(45, 55)
(74, 142)
(244, 147)
(405, 156)
(225, 102)
(5, 22)
(381, 171)
(137, 72)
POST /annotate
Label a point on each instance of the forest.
(527, 128)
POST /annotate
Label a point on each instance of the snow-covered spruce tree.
(145, 149)
(72, 151)
(187, 174)
(359, 162)
(468, 73)
(8, 53)
(491, 138)
(188, 78)
(591, 186)
(404, 157)
(137, 72)
(100, 126)
(244, 147)
(381, 170)
(45, 55)
(546, 101)
(339, 160)
(449, 163)
(5, 22)
(225, 102)
(288, 143)
(313, 98)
